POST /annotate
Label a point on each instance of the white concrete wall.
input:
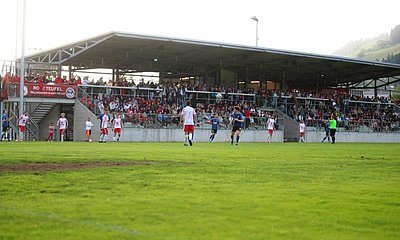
(81, 113)
(177, 135)
(355, 137)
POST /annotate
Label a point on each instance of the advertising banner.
(50, 91)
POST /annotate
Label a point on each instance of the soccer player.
(215, 123)
(332, 128)
(5, 126)
(327, 130)
(237, 124)
(101, 118)
(62, 125)
(188, 118)
(271, 127)
(88, 127)
(50, 135)
(104, 124)
(302, 129)
(22, 121)
(117, 121)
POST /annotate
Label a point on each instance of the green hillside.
(384, 47)
(369, 51)
(382, 53)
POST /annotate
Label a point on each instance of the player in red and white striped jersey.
(302, 129)
(104, 126)
(271, 127)
(117, 125)
(62, 125)
(22, 121)
(188, 118)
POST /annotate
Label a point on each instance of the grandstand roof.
(185, 57)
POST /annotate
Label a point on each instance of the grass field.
(208, 191)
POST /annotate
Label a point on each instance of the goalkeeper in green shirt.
(332, 127)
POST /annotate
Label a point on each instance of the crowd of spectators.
(77, 80)
(43, 79)
(352, 112)
(162, 106)
(169, 84)
(162, 112)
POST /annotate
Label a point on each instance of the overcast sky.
(315, 26)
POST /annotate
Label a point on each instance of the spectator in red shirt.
(58, 80)
(78, 81)
(72, 81)
(247, 113)
(40, 81)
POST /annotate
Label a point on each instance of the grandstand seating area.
(353, 112)
(157, 105)
(145, 107)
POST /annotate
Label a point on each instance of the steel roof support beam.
(56, 56)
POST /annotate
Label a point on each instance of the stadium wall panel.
(81, 113)
(177, 135)
(355, 137)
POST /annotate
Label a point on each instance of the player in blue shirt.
(237, 124)
(101, 119)
(327, 132)
(5, 126)
(215, 123)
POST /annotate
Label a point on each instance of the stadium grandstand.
(293, 86)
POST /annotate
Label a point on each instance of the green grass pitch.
(208, 191)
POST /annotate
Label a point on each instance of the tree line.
(394, 38)
(395, 35)
(357, 46)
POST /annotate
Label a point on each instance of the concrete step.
(41, 111)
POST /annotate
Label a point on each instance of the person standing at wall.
(62, 125)
(188, 118)
(302, 129)
(327, 132)
(88, 129)
(5, 126)
(332, 128)
(237, 124)
(104, 126)
(22, 121)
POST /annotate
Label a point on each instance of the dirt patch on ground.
(32, 167)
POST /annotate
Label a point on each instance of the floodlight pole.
(256, 20)
(16, 39)
(22, 76)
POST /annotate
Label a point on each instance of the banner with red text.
(50, 91)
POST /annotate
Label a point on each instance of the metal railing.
(100, 92)
(7, 66)
(349, 117)
(365, 126)
(32, 128)
(177, 97)
(213, 97)
(276, 101)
